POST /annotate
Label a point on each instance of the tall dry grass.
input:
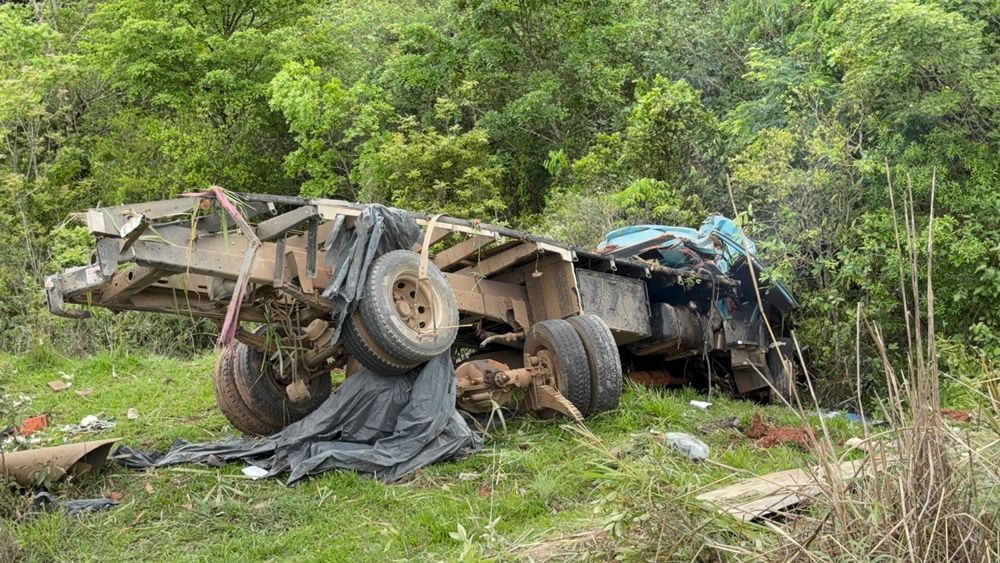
(926, 492)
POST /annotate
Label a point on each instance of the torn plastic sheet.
(46, 502)
(386, 426)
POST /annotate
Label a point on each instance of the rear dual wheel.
(250, 389)
(583, 357)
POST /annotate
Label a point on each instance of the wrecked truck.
(531, 323)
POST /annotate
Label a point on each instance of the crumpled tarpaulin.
(386, 426)
(45, 502)
(350, 253)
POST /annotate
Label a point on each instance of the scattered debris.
(730, 423)
(767, 436)
(38, 466)
(149, 487)
(86, 392)
(691, 446)
(59, 385)
(133, 413)
(45, 502)
(870, 445)
(31, 425)
(89, 424)
(700, 404)
(773, 493)
(254, 472)
(853, 417)
(956, 415)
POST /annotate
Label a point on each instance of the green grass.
(535, 482)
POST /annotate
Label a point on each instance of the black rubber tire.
(267, 398)
(572, 368)
(782, 378)
(605, 363)
(375, 360)
(230, 402)
(385, 325)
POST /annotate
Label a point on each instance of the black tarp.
(386, 426)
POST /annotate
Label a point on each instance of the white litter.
(691, 446)
(254, 472)
(701, 404)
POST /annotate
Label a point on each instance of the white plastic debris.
(700, 404)
(691, 446)
(254, 472)
(132, 414)
(90, 424)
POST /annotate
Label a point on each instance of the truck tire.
(358, 342)
(230, 402)
(411, 321)
(605, 363)
(781, 374)
(257, 384)
(572, 371)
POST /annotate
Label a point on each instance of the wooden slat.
(465, 249)
(497, 263)
(767, 494)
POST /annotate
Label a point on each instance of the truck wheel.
(605, 363)
(781, 373)
(360, 346)
(557, 342)
(259, 382)
(409, 320)
(230, 402)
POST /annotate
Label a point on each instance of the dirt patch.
(956, 415)
(768, 435)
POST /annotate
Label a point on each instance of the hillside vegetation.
(565, 118)
(858, 141)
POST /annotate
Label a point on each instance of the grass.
(538, 489)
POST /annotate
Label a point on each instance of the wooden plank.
(498, 263)
(774, 492)
(465, 249)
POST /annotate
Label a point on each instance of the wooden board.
(767, 494)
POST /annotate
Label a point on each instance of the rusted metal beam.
(461, 251)
(497, 263)
(502, 302)
(277, 226)
(128, 282)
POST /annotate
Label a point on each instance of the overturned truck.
(302, 288)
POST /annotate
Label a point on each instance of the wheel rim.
(270, 374)
(417, 304)
(548, 359)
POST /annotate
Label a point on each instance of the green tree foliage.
(569, 118)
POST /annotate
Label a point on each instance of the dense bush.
(567, 118)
